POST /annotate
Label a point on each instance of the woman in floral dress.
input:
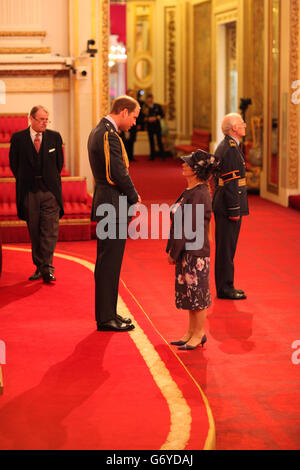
(193, 207)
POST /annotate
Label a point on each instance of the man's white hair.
(229, 121)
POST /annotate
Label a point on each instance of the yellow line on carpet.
(180, 413)
(1, 381)
(210, 443)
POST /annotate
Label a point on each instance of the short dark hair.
(124, 102)
(35, 109)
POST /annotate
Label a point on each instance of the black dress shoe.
(48, 277)
(239, 290)
(114, 325)
(35, 276)
(126, 320)
(233, 295)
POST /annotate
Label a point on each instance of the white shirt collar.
(109, 118)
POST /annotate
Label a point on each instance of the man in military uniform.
(230, 203)
(109, 164)
(153, 113)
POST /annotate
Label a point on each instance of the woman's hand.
(171, 260)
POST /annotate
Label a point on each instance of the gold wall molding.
(226, 17)
(34, 72)
(256, 85)
(170, 62)
(23, 33)
(104, 51)
(25, 50)
(293, 140)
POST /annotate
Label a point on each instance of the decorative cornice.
(35, 72)
(23, 33)
(293, 147)
(25, 50)
(105, 26)
(170, 65)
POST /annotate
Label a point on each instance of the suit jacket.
(197, 195)
(21, 155)
(108, 189)
(230, 197)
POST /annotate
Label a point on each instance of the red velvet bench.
(10, 123)
(200, 140)
(74, 225)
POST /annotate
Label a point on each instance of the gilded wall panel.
(104, 50)
(202, 66)
(293, 147)
(170, 64)
(258, 56)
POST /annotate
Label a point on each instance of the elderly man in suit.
(36, 160)
(109, 164)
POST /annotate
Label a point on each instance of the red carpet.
(69, 387)
(246, 370)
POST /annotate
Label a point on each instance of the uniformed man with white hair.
(230, 204)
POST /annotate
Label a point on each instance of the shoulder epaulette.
(232, 143)
(107, 153)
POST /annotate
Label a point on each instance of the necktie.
(37, 142)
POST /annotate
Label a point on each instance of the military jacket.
(230, 195)
(109, 164)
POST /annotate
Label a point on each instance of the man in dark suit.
(36, 160)
(230, 203)
(153, 113)
(109, 164)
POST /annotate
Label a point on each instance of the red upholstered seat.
(200, 140)
(8, 208)
(5, 171)
(11, 123)
(75, 197)
(294, 202)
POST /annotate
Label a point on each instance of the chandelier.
(117, 54)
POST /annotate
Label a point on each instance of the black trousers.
(43, 224)
(151, 134)
(226, 238)
(107, 274)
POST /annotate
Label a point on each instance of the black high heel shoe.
(187, 347)
(178, 343)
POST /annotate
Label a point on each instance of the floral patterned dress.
(192, 267)
(192, 282)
